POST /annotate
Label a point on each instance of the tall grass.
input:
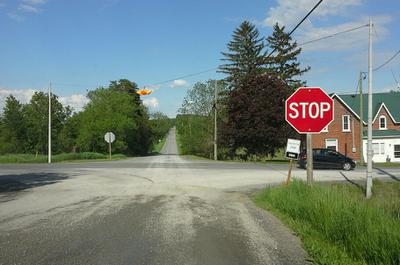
(30, 158)
(363, 230)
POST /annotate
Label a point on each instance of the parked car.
(327, 158)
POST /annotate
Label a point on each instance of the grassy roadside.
(336, 224)
(157, 147)
(178, 142)
(387, 164)
(67, 157)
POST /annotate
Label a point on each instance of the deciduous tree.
(255, 116)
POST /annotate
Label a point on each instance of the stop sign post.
(309, 110)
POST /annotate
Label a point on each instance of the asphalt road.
(147, 210)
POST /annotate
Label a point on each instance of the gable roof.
(390, 101)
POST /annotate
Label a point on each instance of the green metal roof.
(390, 99)
(383, 134)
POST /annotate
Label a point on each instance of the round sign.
(109, 137)
(309, 110)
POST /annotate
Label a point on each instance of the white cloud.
(29, 8)
(290, 12)
(16, 17)
(76, 101)
(35, 2)
(153, 87)
(22, 95)
(346, 41)
(179, 83)
(151, 102)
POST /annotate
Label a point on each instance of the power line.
(333, 35)
(213, 69)
(81, 85)
(388, 61)
(301, 44)
(184, 76)
(293, 30)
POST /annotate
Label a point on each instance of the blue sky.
(82, 44)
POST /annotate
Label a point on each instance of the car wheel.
(346, 166)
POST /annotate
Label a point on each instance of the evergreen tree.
(285, 63)
(246, 56)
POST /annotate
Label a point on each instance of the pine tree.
(284, 63)
(245, 57)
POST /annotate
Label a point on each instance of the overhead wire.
(333, 35)
(216, 68)
(298, 24)
(213, 69)
(387, 61)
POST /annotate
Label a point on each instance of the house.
(343, 134)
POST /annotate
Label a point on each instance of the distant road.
(148, 210)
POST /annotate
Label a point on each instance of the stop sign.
(309, 110)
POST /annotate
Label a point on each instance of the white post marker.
(109, 137)
(292, 152)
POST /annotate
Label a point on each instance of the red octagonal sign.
(309, 110)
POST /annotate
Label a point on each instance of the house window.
(397, 151)
(331, 144)
(346, 123)
(382, 148)
(375, 148)
(382, 123)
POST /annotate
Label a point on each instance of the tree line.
(117, 108)
(261, 72)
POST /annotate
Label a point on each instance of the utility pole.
(310, 165)
(368, 188)
(215, 119)
(361, 120)
(49, 134)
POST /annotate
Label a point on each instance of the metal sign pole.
(109, 144)
(310, 178)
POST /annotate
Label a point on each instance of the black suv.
(327, 158)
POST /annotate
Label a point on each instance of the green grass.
(178, 142)
(194, 157)
(157, 147)
(66, 157)
(337, 224)
(387, 164)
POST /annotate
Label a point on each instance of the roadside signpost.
(292, 152)
(309, 110)
(109, 137)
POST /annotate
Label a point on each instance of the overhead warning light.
(144, 92)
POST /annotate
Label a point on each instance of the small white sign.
(293, 148)
(109, 137)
